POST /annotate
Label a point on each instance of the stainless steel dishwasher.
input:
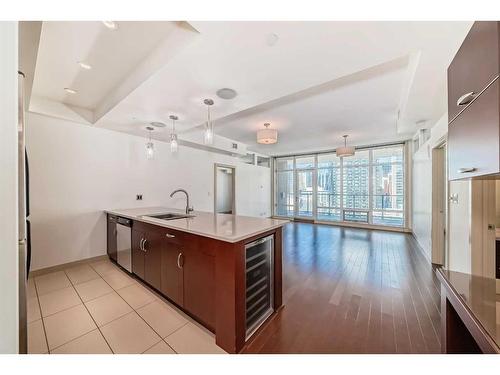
(124, 242)
(259, 256)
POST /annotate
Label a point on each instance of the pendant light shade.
(208, 136)
(174, 146)
(150, 151)
(345, 151)
(267, 136)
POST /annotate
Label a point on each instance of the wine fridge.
(259, 258)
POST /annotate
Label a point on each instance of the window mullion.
(370, 187)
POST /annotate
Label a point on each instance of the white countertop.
(224, 227)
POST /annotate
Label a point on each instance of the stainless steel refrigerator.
(24, 224)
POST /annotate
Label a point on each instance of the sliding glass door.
(328, 193)
(365, 188)
(284, 196)
(304, 175)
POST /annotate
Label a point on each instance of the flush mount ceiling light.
(226, 93)
(345, 151)
(150, 152)
(267, 136)
(84, 65)
(112, 25)
(70, 91)
(208, 136)
(157, 124)
(174, 146)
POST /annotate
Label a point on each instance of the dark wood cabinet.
(112, 247)
(475, 65)
(147, 243)
(474, 138)
(172, 272)
(474, 106)
(152, 246)
(137, 253)
(199, 280)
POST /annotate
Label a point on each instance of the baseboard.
(363, 226)
(421, 250)
(345, 224)
(63, 266)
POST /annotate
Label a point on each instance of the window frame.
(340, 167)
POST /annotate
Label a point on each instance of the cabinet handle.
(179, 261)
(144, 245)
(170, 235)
(466, 170)
(466, 98)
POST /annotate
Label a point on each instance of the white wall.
(422, 186)
(9, 320)
(76, 171)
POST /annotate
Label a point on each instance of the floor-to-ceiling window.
(365, 188)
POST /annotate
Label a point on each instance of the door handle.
(466, 98)
(466, 170)
(179, 261)
(140, 244)
(144, 245)
(170, 235)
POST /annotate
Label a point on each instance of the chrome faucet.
(188, 209)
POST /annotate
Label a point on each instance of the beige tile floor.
(97, 308)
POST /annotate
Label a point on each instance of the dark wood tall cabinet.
(474, 105)
(112, 246)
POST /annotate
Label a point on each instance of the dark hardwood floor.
(353, 291)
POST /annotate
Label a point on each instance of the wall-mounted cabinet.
(474, 105)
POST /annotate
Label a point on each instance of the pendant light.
(208, 136)
(345, 151)
(267, 136)
(174, 146)
(149, 145)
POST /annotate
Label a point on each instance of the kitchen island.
(223, 270)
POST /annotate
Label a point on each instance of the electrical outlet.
(138, 197)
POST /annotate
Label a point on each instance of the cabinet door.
(152, 245)
(473, 138)
(111, 238)
(475, 65)
(137, 254)
(172, 273)
(199, 282)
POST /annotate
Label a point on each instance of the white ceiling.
(318, 81)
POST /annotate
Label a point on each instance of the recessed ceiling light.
(272, 39)
(84, 65)
(226, 93)
(70, 91)
(112, 25)
(157, 124)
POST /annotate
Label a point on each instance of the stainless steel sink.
(169, 216)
